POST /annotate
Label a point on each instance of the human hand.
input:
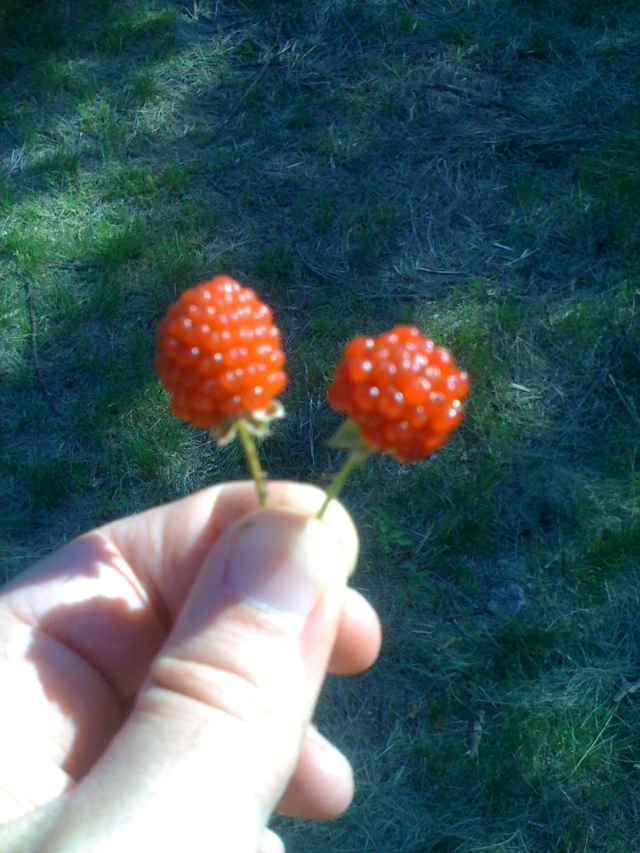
(158, 677)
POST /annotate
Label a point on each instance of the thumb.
(216, 731)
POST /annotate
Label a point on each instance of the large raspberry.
(403, 392)
(218, 354)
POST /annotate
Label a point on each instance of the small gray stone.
(505, 600)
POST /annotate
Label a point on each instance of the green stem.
(253, 463)
(355, 457)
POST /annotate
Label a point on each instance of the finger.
(270, 843)
(111, 596)
(359, 636)
(321, 787)
(178, 535)
(91, 631)
(217, 729)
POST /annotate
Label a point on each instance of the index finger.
(112, 595)
(179, 534)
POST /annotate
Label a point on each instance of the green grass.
(473, 168)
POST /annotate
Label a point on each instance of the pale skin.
(159, 676)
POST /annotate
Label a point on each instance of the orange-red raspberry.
(218, 354)
(402, 391)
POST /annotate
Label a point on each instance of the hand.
(158, 677)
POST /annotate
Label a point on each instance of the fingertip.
(308, 499)
(236, 500)
(359, 636)
(322, 786)
(270, 843)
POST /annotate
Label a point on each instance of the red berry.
(218, 354)
(402, 391)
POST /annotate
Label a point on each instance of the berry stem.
(253, 462)
(356, 456)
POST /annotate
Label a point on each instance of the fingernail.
(281, 561)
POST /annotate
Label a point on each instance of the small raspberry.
(403, 392)
(218, 354)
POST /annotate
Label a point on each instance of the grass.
(469, 167)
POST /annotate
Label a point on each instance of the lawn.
(468, 166)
